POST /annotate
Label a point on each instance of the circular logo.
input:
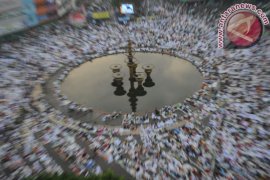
(244, 29)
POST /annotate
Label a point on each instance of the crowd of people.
(222, 131)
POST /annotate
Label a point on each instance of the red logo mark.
(244, 29)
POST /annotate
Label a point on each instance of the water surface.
(90, 84)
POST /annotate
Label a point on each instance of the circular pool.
(171, 81)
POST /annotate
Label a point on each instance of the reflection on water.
(91, 83)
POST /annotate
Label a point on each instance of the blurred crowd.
(222, 131)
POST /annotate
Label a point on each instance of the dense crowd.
(222, 131)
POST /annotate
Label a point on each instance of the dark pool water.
(90, 84)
